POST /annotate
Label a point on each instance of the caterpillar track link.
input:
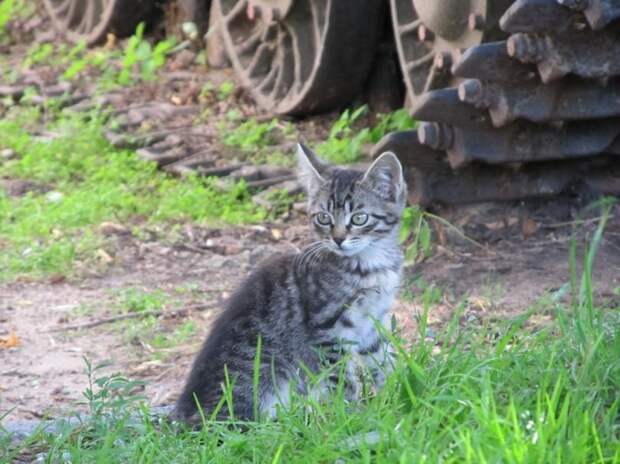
(515, 98)
(534, 114)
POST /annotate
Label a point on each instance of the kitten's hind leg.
(278, 397)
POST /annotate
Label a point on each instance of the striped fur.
(314, 307)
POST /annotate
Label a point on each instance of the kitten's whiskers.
(308, 253)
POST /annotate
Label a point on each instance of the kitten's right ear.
(309, 168)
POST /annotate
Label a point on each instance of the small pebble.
(190, 30)
(111, 228)
(7, 154)
(54, 196)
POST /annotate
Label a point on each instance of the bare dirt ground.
(46, 372)
(500, 275)
(513, 255)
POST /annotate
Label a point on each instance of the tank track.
(517, 98)
(533, 115)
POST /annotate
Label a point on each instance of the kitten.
(313, 307)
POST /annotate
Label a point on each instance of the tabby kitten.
(313, 307)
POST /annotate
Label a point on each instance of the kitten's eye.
(323, 219)
(359, 219)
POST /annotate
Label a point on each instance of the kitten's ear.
(385, 178)
(309, 169)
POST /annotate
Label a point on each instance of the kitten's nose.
(338, 240)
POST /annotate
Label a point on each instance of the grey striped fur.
(311, 308)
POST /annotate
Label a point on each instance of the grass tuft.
(509, 393)
(345, 142)
(79, 181)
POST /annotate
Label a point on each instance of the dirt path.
(46, 372)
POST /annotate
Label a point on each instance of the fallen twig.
(458, 231)
(122, 317)
(577, 222)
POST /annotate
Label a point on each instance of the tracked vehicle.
(515, 98)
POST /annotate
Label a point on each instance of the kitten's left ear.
(385, 178)
(309, 169)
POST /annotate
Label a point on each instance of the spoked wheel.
(91, 20)
(301, 56)
(429, 32)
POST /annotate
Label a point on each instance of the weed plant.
(78, 180)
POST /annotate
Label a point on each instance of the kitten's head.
(352, 210)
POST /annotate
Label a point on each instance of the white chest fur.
(377, 291)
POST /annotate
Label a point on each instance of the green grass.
(345, 140)
(282, 202)
(161, 341)
(178, 336)
(140, 56)
(415, 234)
(137, 61)
(6, 12)
(511, 392)
(136, 300)
(13, 10)
(249, 135)
(150, 330)
(38, 53)
(90, 182)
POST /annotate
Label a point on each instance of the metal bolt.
(471, 91)
(435, 135)
(425, 34)
(443, 60)
(513, 46)
(428, 134)
(525, 47)
(476, 22)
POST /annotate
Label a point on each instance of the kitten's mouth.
(345, 249)
(337, 249)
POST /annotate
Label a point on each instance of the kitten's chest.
(376, 293)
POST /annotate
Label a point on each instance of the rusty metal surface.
(538, 16)
(587, 53)
(443, 105)
(604, 179)
(561, 100)
(547, 15)
(599, 13)
(431, 180)
(531, 116)
(522, 142)
(491, 62)
(428, 32)
(302, 56)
